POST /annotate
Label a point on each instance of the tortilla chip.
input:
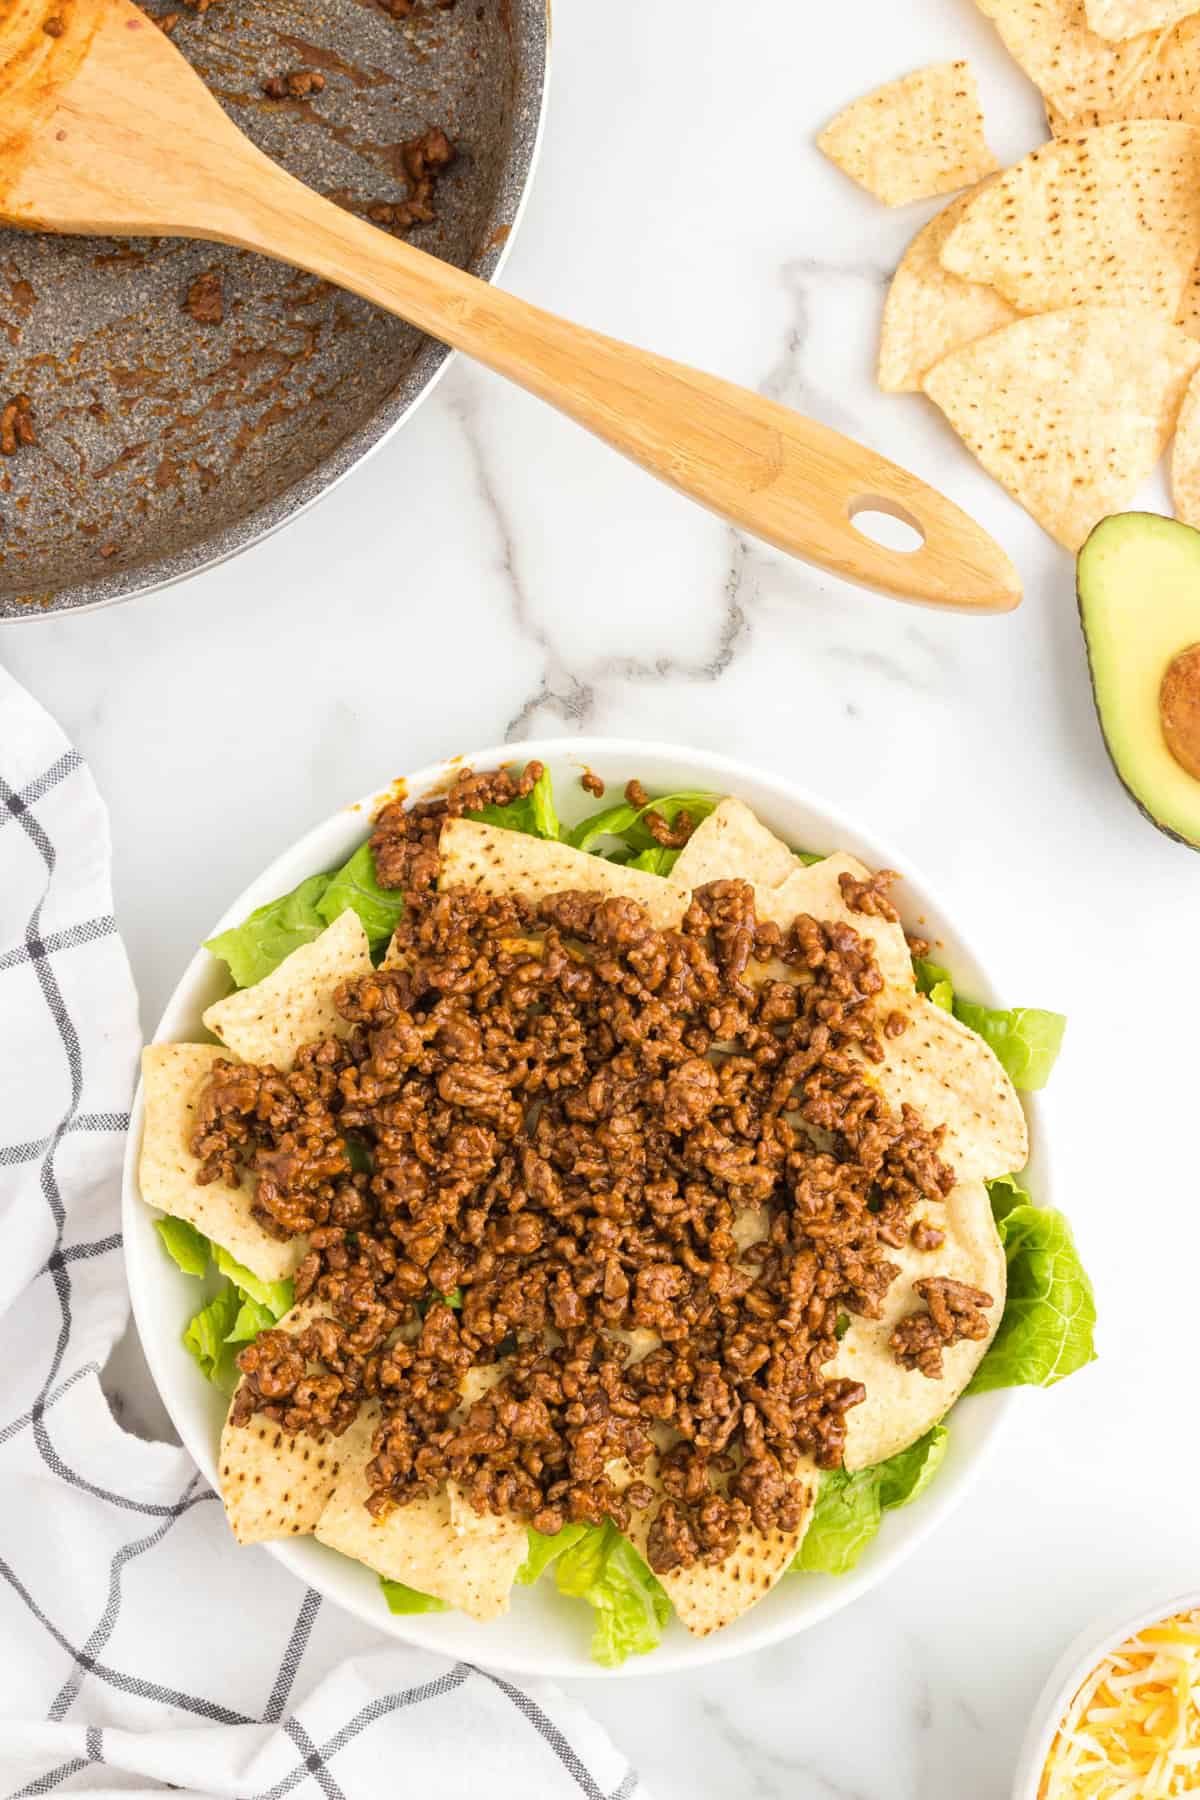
(467, 1560)
(495, 861)
(171, 1078)
(953, 1078)
(902, 1404)
(1118, 19)
(1069, 411)
(1076, 69)
(732, 838)
(293, 1005)
(709, 1596)
(1185, 459)
(1189, 312)
(1108, 216)
(929, 311)
(918, 136)
(276, 1486)
(1163, 84)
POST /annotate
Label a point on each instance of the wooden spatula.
(104, 127)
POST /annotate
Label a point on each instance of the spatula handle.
(767, 469)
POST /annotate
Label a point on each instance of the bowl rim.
(432, 361)
(173, 1372)
(1077, 1661)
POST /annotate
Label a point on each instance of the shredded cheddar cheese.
(1132, 1731)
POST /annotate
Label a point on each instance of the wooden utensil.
(105, 128)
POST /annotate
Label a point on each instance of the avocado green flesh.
(1139, 602)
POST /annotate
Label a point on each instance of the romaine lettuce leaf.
(545, 1550)
(626, 821)
(535, 814)
(1026, 1040)
(275, 1296)
(260, 943)
(807, 857)
(251, 1319)
(850, 1507)
(185, 1245)
(935, 982)
(1049, 1318)
(403, 1599)
(631, 1608)
(206, 1336)
(355, 886)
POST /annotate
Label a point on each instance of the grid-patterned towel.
(139, 1649)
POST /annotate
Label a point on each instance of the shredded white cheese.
(1132, 1731)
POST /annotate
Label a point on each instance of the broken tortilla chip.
(1108, 216)
(1076, 69)
(172, 1075)
(733, 838)
(1069, 411)
(929, 311)
(1185, 458)
(293, 1005)
(709, 1596)
(277, 1486)
(495, 861)
(952, 1078)
(1118, 19)
(1164, 84)
(902, 1404)
(467, 1559)
(919, 136)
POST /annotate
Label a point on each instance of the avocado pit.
(1179, 709)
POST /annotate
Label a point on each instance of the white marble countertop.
(493, 572)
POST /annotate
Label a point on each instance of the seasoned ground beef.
(530, 1158)
(423, 159)
(671, 835)
(297, 84)
(955, 1311)
(16, 426)
(870, 896)
(206, 298)
(591, 783)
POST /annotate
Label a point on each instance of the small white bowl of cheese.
(1119, 1718)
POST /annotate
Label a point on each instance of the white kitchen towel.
(140, 1650)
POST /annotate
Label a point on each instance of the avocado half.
(1138, 581)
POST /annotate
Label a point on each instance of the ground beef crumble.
(205, 298)
(16, 426)
(530, 1116)
(297, 84)
(423, 160)
(954, 1311)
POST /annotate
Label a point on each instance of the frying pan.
(166, 445)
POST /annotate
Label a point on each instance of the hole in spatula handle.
(886, 523)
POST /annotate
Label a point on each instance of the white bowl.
(1069, 1672)
(545, 1634)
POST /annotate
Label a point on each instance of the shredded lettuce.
(404, 1599)
(275, 1296)
(631, 1609)
(1047, 1330)
(850, 1507)
(535, 814)
(185, 1245)
(354, 886)
(206, 1336)
(627, 823)
(935, 982)
(260, 943)
(1025, 1039)
(241, 1308)
(545, 1550)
